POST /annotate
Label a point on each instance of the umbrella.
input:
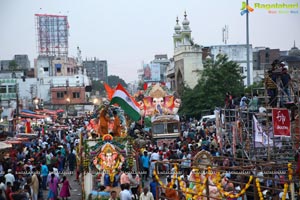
(4, 145)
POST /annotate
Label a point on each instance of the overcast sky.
(129, 32)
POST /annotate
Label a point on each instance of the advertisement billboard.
(281, 122)
(152, 72)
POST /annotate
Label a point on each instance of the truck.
(165, 129)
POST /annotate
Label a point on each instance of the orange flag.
(110, 91)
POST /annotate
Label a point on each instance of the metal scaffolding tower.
(52, 34)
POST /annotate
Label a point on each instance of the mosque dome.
(294, 51)
(177, 26)
(185, 22)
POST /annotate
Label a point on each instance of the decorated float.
(159, 110)
(108, 149)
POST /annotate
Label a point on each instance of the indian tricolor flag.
(124, 100)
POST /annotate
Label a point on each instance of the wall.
(237, 53)
(68, 93)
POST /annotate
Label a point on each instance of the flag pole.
(247, 41)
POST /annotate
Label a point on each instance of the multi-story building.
(22, 62)
(163, 61)
(237, 53)
(55, 91)
(55, 66)
(96, 69)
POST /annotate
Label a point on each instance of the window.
(58, 68)
(46, 69)
(2, 89)
(76, 95)
(172, 128)
(158, 129)
(11, 89)
(60, 95)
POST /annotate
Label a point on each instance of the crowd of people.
(42, 164)
(45, 163)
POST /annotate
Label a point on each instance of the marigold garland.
(290, 172)
(286, 186)
(261, 197)
(158, 180)
(227, 194)
(174, 176)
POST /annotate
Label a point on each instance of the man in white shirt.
(125, 193)
(146, 195)
(9, 177)
(153, 158)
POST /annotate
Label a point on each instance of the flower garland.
(157, 178)
(227, 194)
(174, 177)
(201, 189)
(261, 197)
(286, 185)
(290, 172)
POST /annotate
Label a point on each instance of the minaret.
(176, 35)
(186, 31)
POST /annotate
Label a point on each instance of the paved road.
(75, 192)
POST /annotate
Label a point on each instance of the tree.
(112, 81)
(12, 65)
(219, 76)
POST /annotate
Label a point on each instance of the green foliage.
(254, 86)
(219, 76)
(112, 81)
(12, 65)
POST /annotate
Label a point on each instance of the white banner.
(258, 132)
(260, 135)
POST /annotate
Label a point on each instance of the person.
(9, 177)
(65, 189)
(146, 161)
(285, 82)
(1, 195)
(113, 195)
(135, 184)
(2, 186)
(53, 186)
(153, 158)
(34, 185)
(271, 86)
(72, 161)
(103, 122)
(172, 193)
(146, 195)
(253, 104)
(124, 178)
(125, 193)
(117, 125)
(8, 190)
(153, 187)
(44, 174)
(243, 102)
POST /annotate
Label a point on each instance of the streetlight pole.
(68, 102)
